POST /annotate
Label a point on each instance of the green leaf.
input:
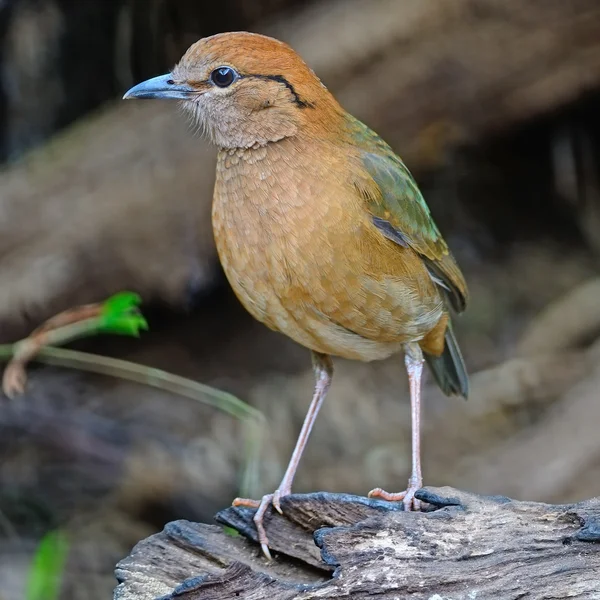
(47, 567)
(121, 315)
(124, 325)
(121, 302)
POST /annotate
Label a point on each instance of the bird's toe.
(407, 497)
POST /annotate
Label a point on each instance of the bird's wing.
(399, 211)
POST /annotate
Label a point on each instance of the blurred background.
(493, 104)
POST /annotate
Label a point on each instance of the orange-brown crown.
(252, 54)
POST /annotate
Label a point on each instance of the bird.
(320, 228)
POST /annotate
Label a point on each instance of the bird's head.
(244, 89)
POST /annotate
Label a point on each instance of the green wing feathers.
(398, 200)
(394, 200)
(401, 214)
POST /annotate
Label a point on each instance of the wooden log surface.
(339, 546)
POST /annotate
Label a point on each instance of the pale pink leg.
(323, 368)
(413, 360)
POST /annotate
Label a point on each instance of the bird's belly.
(324, 299)
(306, 261)
(353, 314)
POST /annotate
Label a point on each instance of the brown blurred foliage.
(491, 103)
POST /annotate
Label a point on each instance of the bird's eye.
(223, 76)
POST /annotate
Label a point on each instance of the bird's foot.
(262, 506)
(407, 497)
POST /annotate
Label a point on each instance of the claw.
(265, 550)
(277, 501)
(258, 518)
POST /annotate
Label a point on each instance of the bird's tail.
(449, 368)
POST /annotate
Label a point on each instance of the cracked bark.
(335, 545)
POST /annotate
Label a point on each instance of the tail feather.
(449, 368)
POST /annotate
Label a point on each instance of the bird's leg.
(323, 369)
(413, 360)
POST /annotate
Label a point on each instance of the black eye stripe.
(281, 79)
(224, 76)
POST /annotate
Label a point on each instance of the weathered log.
(339, 546)
(564, 473)
(569, 321)
(434, 75)
(122, 201)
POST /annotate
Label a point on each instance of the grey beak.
(162, 86)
